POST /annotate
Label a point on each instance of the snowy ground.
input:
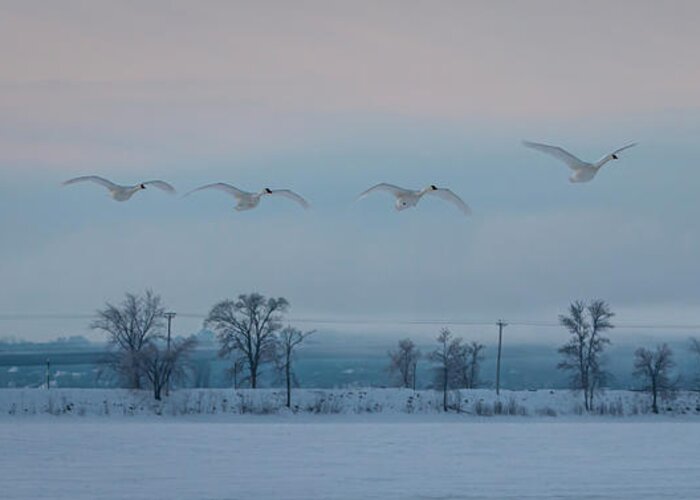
(344, 444)
(219, 404)
(349, 457)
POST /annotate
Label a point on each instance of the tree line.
(249, 330)
(583, 355)
(251, 333)
(456, 364)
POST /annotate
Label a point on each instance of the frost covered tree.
(586, 324)
(695, 349)
(654, 368)
(403, 363)
(471, 364)
(288, 340)
(248, 326)
(160, 364)
(448, 358)
(130, 326)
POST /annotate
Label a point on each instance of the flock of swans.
(405, 198)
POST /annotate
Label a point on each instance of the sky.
(329, 98)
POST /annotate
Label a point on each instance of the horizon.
(338, 359)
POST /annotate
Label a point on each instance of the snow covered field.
(343, 444)
(349, 457)
(226, 403)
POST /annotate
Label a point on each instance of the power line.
(365, 321)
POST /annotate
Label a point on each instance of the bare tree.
(448, 358)
(467, 363)
(654, 367)
(160, 364)
(695, 349)
(583, 353)
(403, 361)
(474, 357)
(248, 325)
(287, 341)
(695, 346)
(130, 326)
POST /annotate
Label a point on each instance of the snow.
(344, 444)
(223, 403)
(348, 457)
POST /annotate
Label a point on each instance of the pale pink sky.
(225, 73)
(445, 58)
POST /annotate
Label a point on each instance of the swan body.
(407, 198)
(247, 201)
(118, 192)
(582, 171)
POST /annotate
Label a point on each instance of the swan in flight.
(246, 200)
(406, 198)
(121, 193)
(583, 171)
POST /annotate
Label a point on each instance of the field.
(344, 444)
(225, 403)
(348, 457)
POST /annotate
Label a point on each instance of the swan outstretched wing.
(288, 193)
(448, 195)
(222, 186)
(92, 178)
(160, 185)
(613, 155)
(383, 186)
(623, 148)
(557, 152)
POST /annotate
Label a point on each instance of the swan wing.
(383, 186)
(623, 148)
(222, 186)
(448, 195)
(557, 152)
(161, 185)
(93, 178)
(288, 193)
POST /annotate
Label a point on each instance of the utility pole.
(48, 373)
(501, 325)
(170, 316)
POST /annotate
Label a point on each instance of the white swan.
(121, 193)
(247, 201)
(583, 171)
(406, 198)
